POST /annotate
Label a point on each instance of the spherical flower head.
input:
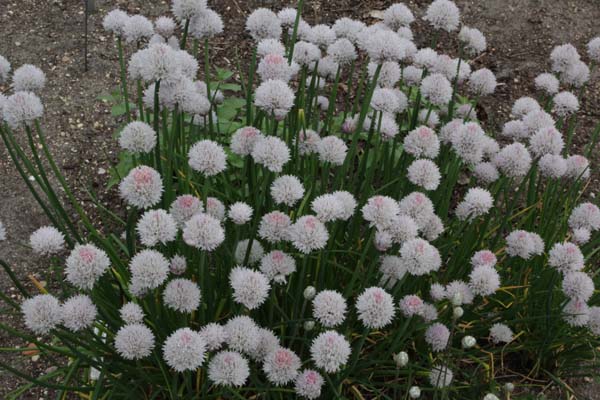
(546, 141)
(306, 53)
(270, 46)
(158, 61)
(474, 41)
(215, 208)
(28, 78)
(308, 234)
(459, 293)
(501, 333)
(281, 366)
(287, 16)
(429, 118)
(576, 74)
(565, 103)
(486, 172)
(149, 269)
(424, 173)
(477, 202)
(389, 74)
(185, 207)
(142, 187)
(203, 232)
(156, 226)
(308, 384)
(578, 167)
(137, 137)
(398, 16)
(593, 49)
(469, 142)
(386, 100)
(576, 313)
(207, 157)
(287, 189)
(240, 213)
(134, 341)
(547, 83)
(250, 288)
(417, 206)
(443, 14)
(115, 21)
(380, 210)
(182, 295)
(585, 215)
(47, 241)
(244, 139)
(437, 292)
(275, 67)
(419, 257)
(484, 257)
(131, 313)
(267, 342)
(342, 51)
(186, 9)
(136, 28)
(412, 75)
(411, 305)
(214, 336)
(242, 334)
(482, 82)
(271, 152)
(522, 244)
(165, 26)
(563, 56)
(206, 24)
(274, 227)
(437, 336)
(484, 280)
(348, 204)
(383, 240)
(382, 46)
(578, 285)
(263, 24)
(523, 106)
(78, 313)
(22, 108)
(308, 141)
(327, 207)
(422, 142)
(552, 166)
(256, 252)
(581, 236)
(329, 308)
(184, 350)
(228, 368)
(436, 88)
(566, 257)
(348, 28)
(277, 265)
(41, 313)
(513, 160)
(594, 320)
(330, 351)
(332, 150)
(440, 376)
(85, 265)
(327, 68)
(375, 308)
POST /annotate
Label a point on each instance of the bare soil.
(79, 127)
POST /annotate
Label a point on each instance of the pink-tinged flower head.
(330, 351)
(203, 232)
(308, 384)
(411, 305)
(85, 265)
(184, 350)
(142, 187)
(134, 341)
(484, 257)
(228, 368)
(437, 336)
(375, 308)
(308, 234)
(566, 257)
(281, 366)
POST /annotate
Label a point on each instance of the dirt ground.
(79, 127)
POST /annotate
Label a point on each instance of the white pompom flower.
(184, 350)
(203, 232)
(41, 313)
(182, 295)
(85, 265)
(207, 157)
(47, 241)
(375, 308)
(271, 152)
(281, 366)
(78, 313)
(330, 351)
(240, 213)
(329, 308)
(142, 187)
(156, 226)
(228, 368)
(308, 234)
(134, 341)
(250, 288)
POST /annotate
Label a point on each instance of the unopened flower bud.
(457, 299)
(309, 325)
(509, 387)
(457, 312)
(468, 342)
(309, 292)
(491, 396)
(414, 392)
(401, 359)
